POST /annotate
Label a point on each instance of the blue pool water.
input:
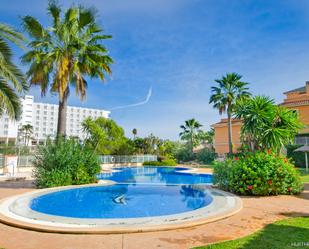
(123, 201)
(163, 175)
(139, 192)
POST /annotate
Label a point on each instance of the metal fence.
(1, 161)
(301, 140)
(27, 161)
(128, 159)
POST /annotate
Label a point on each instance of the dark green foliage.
(258, 174)
(266, 125)
(104, 136)
(297, 157)
(65, 162)
(184, 154)
(165, 162)
(206, 156)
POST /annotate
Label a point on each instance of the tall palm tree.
(12, 80)
(26, 131)
(224, 96)
(134, 132)
(191, 128)
(64, 54)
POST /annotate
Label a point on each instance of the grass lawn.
(289, 233)
(304, 175)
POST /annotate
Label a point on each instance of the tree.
(104, 136)
(147, 145)
(190, 132)
(206, 137)
(26, 132)
(12, 79)
(65, 53)
(266, 125)
(134, 132)
(224, 97)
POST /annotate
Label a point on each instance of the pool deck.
(256, 213)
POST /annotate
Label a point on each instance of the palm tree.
(11, 78)
(65, 53)
(190, 132)
(134, 132)
(26, 131)
(224, 97)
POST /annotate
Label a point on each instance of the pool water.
(123, 201)
(138, 192)
(156, 175)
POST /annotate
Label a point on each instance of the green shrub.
(165, 162)
(184, 154)
(206, 156)
(297, 157)
(65, 162)
(258, 174)
(221, 171)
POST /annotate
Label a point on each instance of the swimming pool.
(126, 200)
(122, 201)
(156, 175)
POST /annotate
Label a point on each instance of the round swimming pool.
(126, 200)
(122, 201)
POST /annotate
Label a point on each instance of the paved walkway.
(256, 213)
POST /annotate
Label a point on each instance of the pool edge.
(112, 230)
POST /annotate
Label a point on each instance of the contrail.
(136, 104)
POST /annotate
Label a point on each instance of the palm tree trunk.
(62, 115)
(229, 125)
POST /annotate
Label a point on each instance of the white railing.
(302, 140)
(27, 161)
(127, 159)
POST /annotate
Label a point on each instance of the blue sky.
(178, 47)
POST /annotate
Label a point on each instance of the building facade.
(221, 136)
(296, 99)
(43, 117)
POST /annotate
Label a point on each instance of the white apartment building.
(44, 118)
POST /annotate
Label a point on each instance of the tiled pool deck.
(256, 213)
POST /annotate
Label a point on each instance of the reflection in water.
(163, 175)
(195, 196)
(122, 201)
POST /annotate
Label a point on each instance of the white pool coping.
(16, 211)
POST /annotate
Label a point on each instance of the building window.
(38, 111)
(45, 112)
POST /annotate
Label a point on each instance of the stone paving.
(256, 213)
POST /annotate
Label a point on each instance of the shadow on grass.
(290, 233)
